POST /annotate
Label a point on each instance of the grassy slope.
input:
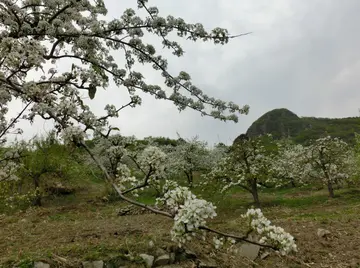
(78, 228)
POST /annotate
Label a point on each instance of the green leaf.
(92, 91)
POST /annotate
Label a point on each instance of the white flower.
(73, 134)
(218, 242)
(272, 235)
(190, 212)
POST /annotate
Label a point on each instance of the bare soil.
(67, 235)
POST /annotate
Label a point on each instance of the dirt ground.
(91, 231)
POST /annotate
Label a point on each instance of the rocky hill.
(282, 123)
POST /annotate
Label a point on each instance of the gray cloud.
(302, 55)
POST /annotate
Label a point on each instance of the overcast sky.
(302, 55)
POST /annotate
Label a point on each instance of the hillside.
(283, 123)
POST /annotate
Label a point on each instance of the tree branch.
(14, 120)
(203, 113)
(240, 238)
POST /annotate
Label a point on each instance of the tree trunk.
(189, 177)
(331, 190)
(254, 192)
(293, 183)
(37, 200)
(20, 187)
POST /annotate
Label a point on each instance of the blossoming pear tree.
(248, 164)
(37, 36)
(290, 164)
(188, 157)
(328, 158)
(112, 150)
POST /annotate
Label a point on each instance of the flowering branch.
(140, 186)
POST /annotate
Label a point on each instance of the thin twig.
(14, 120)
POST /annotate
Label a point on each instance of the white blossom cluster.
(270, 234)
(223, 242)
(73, 134)
(153, 160)
(218, 242)
(290, 165)
(124, 178)
(190, 212)
(10, 165)
(217, 153)
(10, 161)
(8, 171)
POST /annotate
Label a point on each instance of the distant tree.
(189, 157)
(45, 156)
(247, 165)
(327, 158)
